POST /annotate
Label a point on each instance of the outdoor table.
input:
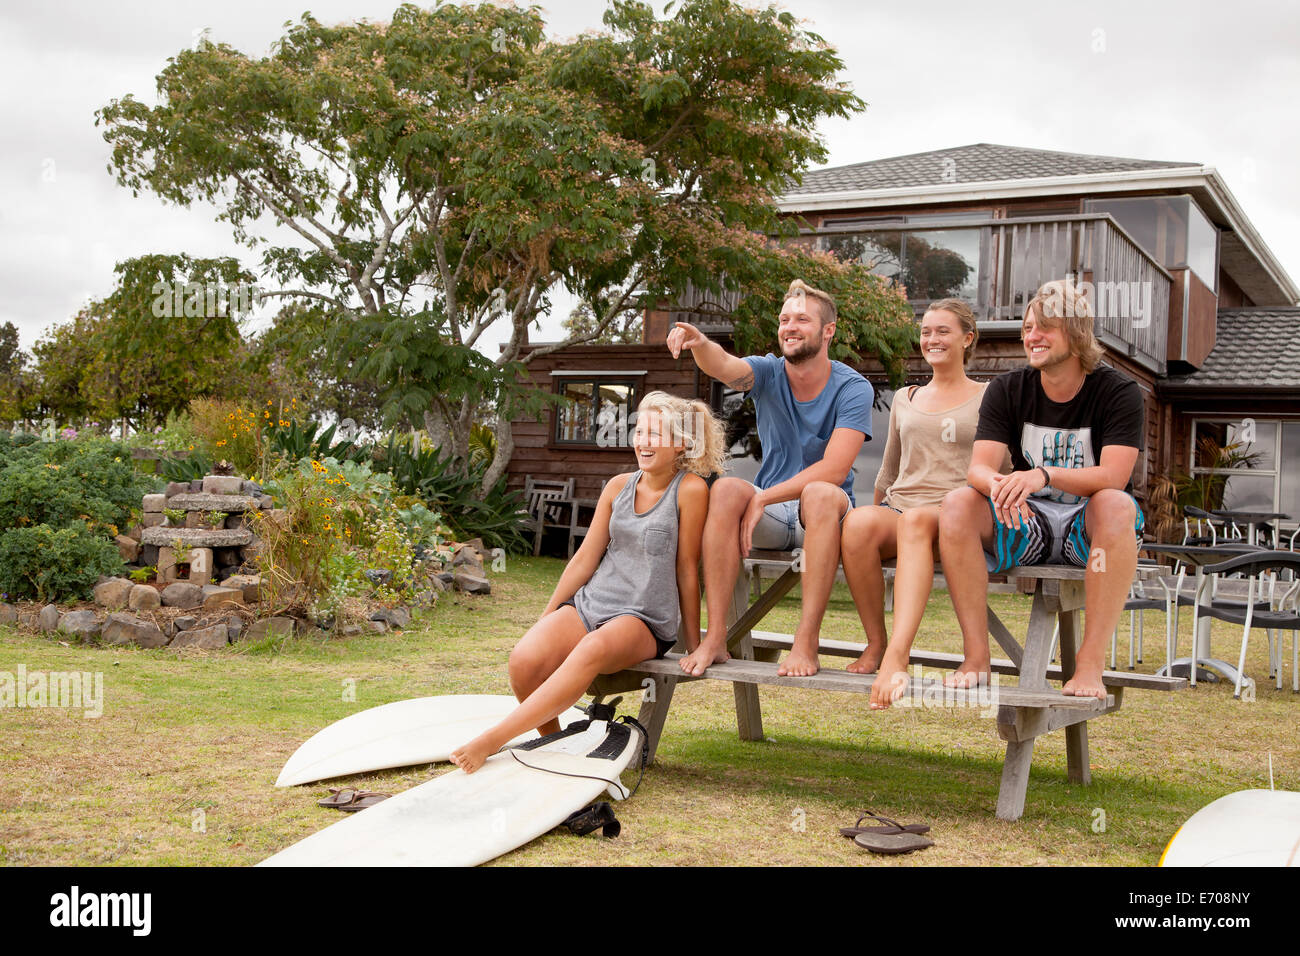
(1199, 556)
(1023, 711)
(1252, 520)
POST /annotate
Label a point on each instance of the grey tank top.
(638, 573)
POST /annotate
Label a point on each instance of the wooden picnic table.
(1024, 711)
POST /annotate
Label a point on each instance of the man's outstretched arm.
(712, 359)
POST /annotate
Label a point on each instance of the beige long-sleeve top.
(927, 453)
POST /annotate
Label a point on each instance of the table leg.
(654, 710)
(749, 714)
(1078, 769)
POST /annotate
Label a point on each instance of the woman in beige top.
(931, 432)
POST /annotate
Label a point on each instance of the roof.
(1254, 349)
(979, 163)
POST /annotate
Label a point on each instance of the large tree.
(450, 168)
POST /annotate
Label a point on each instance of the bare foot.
(469, 757)
(869, 660)
(1086, 682)
(890, 684)
(969, 675)
(703, 657)
(799, 664)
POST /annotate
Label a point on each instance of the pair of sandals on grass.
(888, 836)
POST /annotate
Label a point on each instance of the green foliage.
(425, 528)
(47, 564)
(453, 490)
(87, 482)
(175, 516)
(449, 169)
(298, 440)
(185, 469)
(141, 575)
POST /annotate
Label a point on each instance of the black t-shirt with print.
(1038, 431)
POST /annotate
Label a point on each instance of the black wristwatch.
(1047, 479)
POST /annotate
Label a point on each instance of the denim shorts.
(781, 527)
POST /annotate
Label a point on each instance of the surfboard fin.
(598, 816)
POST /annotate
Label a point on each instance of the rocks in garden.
(265, 503)
(350, 630)
(270, 626)
(250, 488)
(234, 627)
(149, 555)
(183, 595)
(466, 557)
(143, 598)
(398, 617)
(113, 592)
(82, 624)
(249, 584)
(8, 614)
(197, 537)
(211, 502)
(176, 488)
(128, 629)
(128, 548)
(196, 485)
(166, 565)
(179, 624)
(194, 519)
(379, 576)
(48, 619)
(221, 484)
(377, 627)
(216, 597)
(154, 504)
(471, 583)
(152, 520)
(211, 638)
(427, 598)
(201, 566)
(447, 578)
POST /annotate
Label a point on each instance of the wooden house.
(1191, 303)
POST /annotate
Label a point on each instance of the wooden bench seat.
(1024, 710)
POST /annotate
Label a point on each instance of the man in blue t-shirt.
(813, 416)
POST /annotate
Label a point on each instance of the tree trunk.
(501, 460)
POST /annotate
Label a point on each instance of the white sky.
(1192, 80)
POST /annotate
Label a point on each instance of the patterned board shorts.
(1056, 534)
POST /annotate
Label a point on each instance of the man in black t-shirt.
(1074, 430)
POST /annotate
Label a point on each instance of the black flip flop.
(350, 799)
(892, 842)
(885, 827)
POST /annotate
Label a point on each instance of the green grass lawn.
(184, 732)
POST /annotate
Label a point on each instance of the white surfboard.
(461, 819)
(405, 733)
(1246, 828)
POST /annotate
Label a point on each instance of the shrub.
(452, 490)
(88, 481)
(229, 431)
(48, 564)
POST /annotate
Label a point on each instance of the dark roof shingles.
(979, 163)
(1253, 349)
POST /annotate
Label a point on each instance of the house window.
(1172, 229)
(596, 410)
(937, 263)
(1245, 464)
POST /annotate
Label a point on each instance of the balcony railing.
(1130, 290)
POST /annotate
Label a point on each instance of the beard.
(805, 350)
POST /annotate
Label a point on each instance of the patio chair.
(576, 528)
(547, 503)
(1282, 615)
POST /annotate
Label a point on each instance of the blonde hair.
(965, 316)
(800, 289)
(1061, 304)
(690, 422)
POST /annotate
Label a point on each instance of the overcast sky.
(1192, 81)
